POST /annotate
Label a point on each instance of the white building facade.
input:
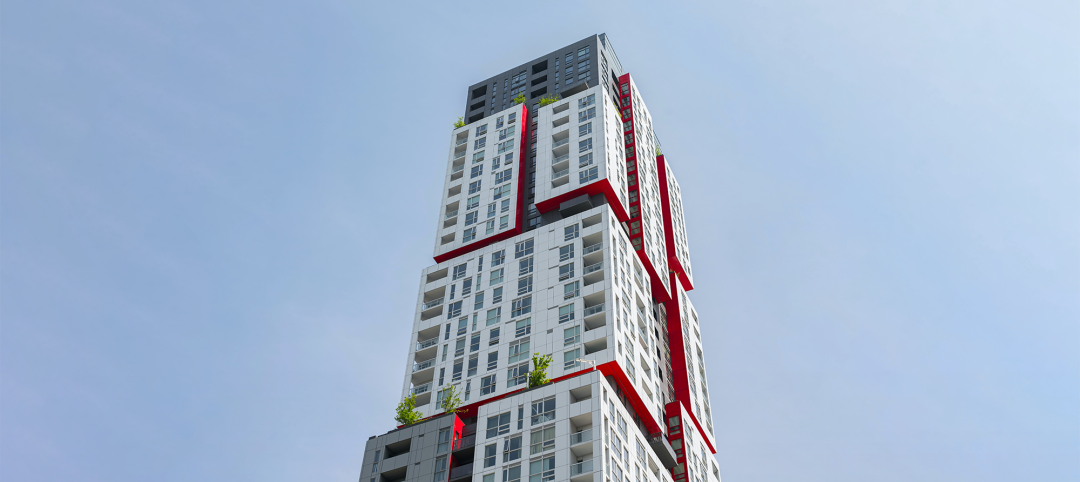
(569, 242)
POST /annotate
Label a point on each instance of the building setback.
(560, 232)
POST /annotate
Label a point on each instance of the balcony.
(581, 468)
(592, 310)
(460, 155)
(560, 178)
(559, 160)
(592, 249)
(581, 437)
(427, 343)
(465, 442)
(594, 268)
(452, 214)
(558, 144)
(423, 365)
(432, 304)
(462, 472)
(461, 141)
(425, 388)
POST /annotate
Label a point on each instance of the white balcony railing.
(430, 342)
(592, 249)
(422, 389)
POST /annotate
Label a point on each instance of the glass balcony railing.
(459, 155)
(561, 143)
(424, 364)
(559, 159)
(433, 303)
(580, 437)
(457, 169)
(422, 389)
(594, 267)
(461, 141)
(592, 310)
(581, 468)
(427, 343)
(592, 249)
(451, 214)
(561, 174)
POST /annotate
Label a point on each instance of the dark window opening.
(476, 117)
(477, 105)
(538, 92)
(539, 81)
(539, 67)
(479, 92)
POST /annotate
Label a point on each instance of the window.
(566, 252)
(498, 425)
(480, 143)
(519, 351)
(497, 258)
(474, 343)
(506, 146)
(496, 295)
(542, 470)
(459, 272)
(583, 52)
(478, 157)
(494, 163)
(504, 206)
(453, 309)
(566, 271)
(463, 325)
(525, 266)
(495, 278)
(504, 222)
(493, 338)
(511, 118)
(474, 362)
(493, 316)
(489, 227)
(517, 375)
(440, 469)
(472, 203)
(489, 455)
(585, 160)
(622, 425)
(543, 411)
(541, 440)
(523, 327)
(584, 115)
(570, 232)
(521, 306)
(466, 287)
(625, 89)
(493, 360)
(584, 129)
(459, 347)
(570, 290)
(474, 187)
(468, 235)
(590, 175)
(523, 248)
(476, 171)
(458, 365)
(481, 130)
(508, 132)
(566, 313)
(525, 285)
(571, 359)
(571, 335)
(512, 449)
(512, 474)
(501, 191)
(500, 178)
(583, 146)
(479, 301)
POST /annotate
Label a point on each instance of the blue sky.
(213, 216)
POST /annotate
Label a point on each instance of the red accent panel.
(472, 409)
(602, 186)
(669, 230)
(705, 435)
(519, 215)
(677, 345)
(612, 369)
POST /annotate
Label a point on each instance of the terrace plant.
(539, 374)
(406, 412)
(459, 123)
(549, 99)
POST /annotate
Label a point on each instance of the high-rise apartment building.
(560, 232)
